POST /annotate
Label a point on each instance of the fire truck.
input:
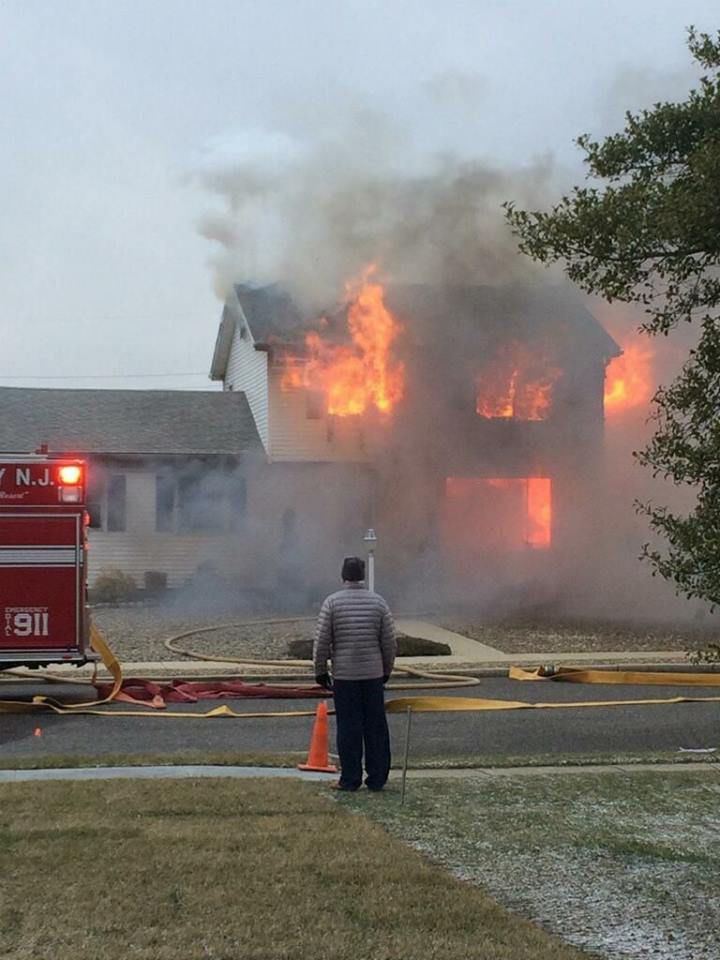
(44, 617)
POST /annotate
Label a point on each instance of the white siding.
(140, 547)
(247, 371)
(295, 437)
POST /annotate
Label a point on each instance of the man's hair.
(353, 569)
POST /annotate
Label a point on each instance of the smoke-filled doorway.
(494, 517)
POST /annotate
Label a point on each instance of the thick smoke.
(625, 585)
(312, 214)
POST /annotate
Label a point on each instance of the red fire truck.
(43, 562)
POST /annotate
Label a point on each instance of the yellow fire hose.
(417, 704)
(444, 679)
(632, 677)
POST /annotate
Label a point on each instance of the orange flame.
(629, 379)
(518, 384)
(520, 515)
(539, 511)
(355, 378)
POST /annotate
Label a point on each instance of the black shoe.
(341, 786)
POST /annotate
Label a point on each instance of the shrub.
(113, 586)
(155, 581)
(407, 647)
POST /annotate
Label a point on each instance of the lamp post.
(370, 539)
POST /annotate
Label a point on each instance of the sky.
(116, 114)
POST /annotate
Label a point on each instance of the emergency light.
(70, 477)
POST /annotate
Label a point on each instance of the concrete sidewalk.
(193, 771)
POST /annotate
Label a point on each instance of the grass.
(627, 863)
(186, 757)
(254, 869)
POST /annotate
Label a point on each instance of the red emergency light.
(71, 475)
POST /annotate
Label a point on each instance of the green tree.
(650, 234)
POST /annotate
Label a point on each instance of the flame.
(517, 384)
(629, 379)
(358, 377)
(521, 515)
(539, 511)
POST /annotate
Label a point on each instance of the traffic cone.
(318, 754)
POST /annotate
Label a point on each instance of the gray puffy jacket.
(355, 629)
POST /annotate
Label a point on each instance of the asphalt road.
(600, 730)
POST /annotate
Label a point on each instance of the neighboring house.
(491, 461)
(171, 472)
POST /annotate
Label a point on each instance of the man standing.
(356, 631)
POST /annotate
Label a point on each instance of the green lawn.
(230, 869)
(627, 863)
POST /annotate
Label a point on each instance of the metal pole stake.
(407, 753)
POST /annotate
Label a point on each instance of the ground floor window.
(116, 503)
(107, 501)
(498, 513)
(194, 502)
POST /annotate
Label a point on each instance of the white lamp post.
(370, 539)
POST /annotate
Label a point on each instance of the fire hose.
(145, 691)
(444, 679)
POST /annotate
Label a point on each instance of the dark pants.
(361, 721)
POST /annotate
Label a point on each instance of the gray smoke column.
(312, 213)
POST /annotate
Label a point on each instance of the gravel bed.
(137, 634)
(513, 636)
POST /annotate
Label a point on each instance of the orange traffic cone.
(318, 758)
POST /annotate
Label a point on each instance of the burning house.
(465, 424)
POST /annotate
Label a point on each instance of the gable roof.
(270, 312)
(149, 422)
(426, 311)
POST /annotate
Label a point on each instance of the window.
(201, 504)
(94, 501)
(502, 514)
(164, 503)
(116, 503)
(237, 501)
(315, 404)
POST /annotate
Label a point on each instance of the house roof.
(427, 311)
(163, 422)
(518, 311)
(270, 312)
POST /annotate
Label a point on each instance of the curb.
(174, 669)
